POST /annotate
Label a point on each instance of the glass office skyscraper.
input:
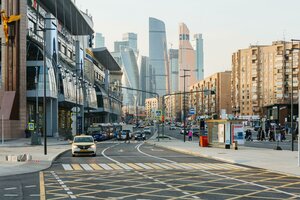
(158, 55)
(199, 56)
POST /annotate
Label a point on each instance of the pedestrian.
(190, 134)
(259, 133)
(127, 137)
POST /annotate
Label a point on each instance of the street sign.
(192, 111)
(31, 126)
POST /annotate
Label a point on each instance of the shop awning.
(69, 15)
(106, 59)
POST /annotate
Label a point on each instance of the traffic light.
(91, 38)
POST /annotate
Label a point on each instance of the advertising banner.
(238, 133)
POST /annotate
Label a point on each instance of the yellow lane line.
(96, 167)
(114, 166)
(76, 167)
(42, 187)
(136, 167)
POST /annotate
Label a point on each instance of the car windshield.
(83, 139)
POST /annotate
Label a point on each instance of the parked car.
(83, 144)
(196, 131)
(139, 135)
(123, 134)
(98, 136)
(147, 130)
(172, 127)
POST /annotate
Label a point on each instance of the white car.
(84, 145)
(147, 130)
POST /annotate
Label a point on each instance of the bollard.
(235, 145)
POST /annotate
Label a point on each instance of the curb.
(192, 153)
(48, 163)
(219, 159)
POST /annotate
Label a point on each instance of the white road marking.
(67, 167)
(87, 167)
(106, 167)
(65, 187)
(12, 188)
(195, 197)
(162, 166)
(124, 166)
(103, 153)
(10, 195)
(143, 166)
(34, 195)
(138, 148)
(30, 186)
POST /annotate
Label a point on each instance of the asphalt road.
(141, 171)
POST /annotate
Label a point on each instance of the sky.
(226, 25)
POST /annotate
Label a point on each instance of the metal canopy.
(106, 59)
(69, 15)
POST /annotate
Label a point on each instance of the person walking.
(190, 134)
(127, 137)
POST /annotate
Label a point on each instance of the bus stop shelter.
(224, 133)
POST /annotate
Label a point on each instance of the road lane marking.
(251, 183)
(114, 166)
(65, 187)
(76, 167)
(12, 188)
(138, 148)
(96, 167)
(34, 195)
(153, 166)
(86, 167)
(124, 166)
(30, 186)
(105, 166)
(162, 166)
(103, 153)
(134, 166)
(10, 195)
(67, 167)
(143, 166)
(150, 166)
(173, 166)
(42, 187)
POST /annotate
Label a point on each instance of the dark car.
(140, 136)
(99, 136)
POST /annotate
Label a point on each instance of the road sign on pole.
(31, 126)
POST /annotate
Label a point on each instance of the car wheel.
(94, 155)
(73, 155)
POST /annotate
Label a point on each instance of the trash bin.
(203, 141)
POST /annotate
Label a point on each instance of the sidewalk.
(285, 162)
(39, 160)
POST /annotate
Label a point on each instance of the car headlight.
(75, 146)
(93, 146)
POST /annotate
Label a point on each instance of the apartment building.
(151, 105)
(263, 79)
(209, 96)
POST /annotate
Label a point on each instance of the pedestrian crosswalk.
(151, 166)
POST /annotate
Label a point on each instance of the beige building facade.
(151, 105)
(263, 78)
(213, 95)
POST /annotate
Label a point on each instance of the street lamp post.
(184, 106)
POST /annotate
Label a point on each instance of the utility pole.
(184, 106)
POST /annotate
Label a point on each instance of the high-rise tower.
(186, 58)
(158, 55)
(199, 56)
